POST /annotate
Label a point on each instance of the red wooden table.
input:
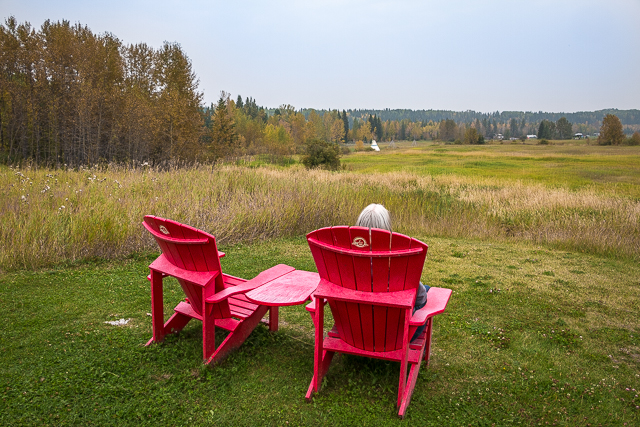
(291, 289)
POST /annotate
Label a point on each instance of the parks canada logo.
(359, 242)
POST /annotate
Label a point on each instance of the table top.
(291, 289)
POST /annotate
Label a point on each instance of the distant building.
(578, 136)
(532, 136)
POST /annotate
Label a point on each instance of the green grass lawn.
(531, 336)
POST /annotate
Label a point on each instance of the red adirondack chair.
(369, 279)
(217, 299)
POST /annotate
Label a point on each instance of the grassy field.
(539, 243)
(571, 165)
(531, 337)
(583, 200)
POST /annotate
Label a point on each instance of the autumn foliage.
(68, 96)
(611, 132)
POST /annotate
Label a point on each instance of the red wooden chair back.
(194, 250)
(371, 261)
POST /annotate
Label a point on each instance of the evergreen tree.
(542, 130)
(378, 130)
(345, 120)
(372, 125)
(239, 103)
(223, 132)
(513, 127)
(546, 130)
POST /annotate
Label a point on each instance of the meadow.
(540, 245)
(581, 198)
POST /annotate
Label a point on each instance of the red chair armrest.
(311, 307)
(437, 299)
(326, 289)
(261, 279)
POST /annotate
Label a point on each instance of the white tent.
(374, 145)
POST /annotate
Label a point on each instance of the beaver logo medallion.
(359, 242)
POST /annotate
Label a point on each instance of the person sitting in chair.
(377, 216)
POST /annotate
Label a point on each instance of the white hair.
(374, 216)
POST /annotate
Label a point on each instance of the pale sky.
(482, 55)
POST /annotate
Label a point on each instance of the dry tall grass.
(53, 216)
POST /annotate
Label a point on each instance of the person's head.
(374, 216)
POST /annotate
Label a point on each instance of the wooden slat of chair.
(359, 237)
(380, 241)
(345, 262)
(398, 281)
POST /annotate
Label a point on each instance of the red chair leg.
(273, 319)
(321, 358)
(411, 383)
(175, 323)
(327, 356)
(405, 357)
(157, 308)
(208, 334)
(238, 335)
(427, 352)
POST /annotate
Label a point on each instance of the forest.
(72, 97)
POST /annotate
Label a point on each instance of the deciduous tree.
(611, 132)
(471, 136)
(447, 130)
(564, 128)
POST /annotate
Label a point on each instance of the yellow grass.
(53, 216)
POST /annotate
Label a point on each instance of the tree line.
(68, 96)
(593, 118)
(71, 97)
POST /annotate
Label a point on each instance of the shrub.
(634, 139)
(361, 147)
(321, 154)
(344, 150)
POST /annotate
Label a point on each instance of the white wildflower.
(120, 322)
